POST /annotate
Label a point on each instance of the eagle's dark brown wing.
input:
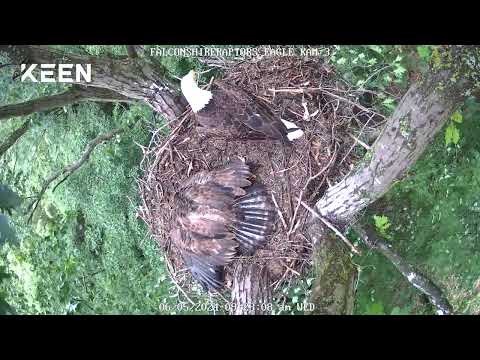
(233, 111)
(217, 211)
(204, 215)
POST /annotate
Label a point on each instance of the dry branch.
(70, 169)
(73, 95)
(419, 281)
(14, 136)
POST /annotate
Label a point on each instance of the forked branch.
(70, 169)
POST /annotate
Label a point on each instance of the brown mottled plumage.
(232, 112)
(217, 213)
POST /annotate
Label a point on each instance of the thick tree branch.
(136, 78)
(14, 136)
(419, 281)
(421, 113)
(73, 95)
(131, 51)
(70, 169)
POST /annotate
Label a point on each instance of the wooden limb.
(315, 214)
(131, 51)
(73, 95)
(251, 294)
(419, 281)
(137, 79)
(70, 169)
(14, 136)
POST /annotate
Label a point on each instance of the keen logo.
(61, 73)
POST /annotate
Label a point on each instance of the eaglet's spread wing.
(205, 217)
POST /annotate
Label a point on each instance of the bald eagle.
(229, 111)
(219, 214)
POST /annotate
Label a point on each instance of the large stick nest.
(303, 90)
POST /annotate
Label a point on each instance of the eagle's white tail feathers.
(294, 134)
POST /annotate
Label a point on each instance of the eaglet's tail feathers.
(254, 218)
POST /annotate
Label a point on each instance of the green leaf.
(6, 232)
(375, 309)
(376, 48)
(8, 198)
(452, 135)
(5, 308)
(398, 311)
(423, 52)
(399, 71)
(381, 223)
(457, 117)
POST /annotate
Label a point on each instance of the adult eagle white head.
(227, 110)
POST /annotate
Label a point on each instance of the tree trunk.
(71, 96)
(136, 78)
(251, 294)
(422, 112)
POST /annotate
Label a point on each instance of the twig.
(367, 147)
(172, 135)
(14, 136)
(333, 228)
(172, 277)
(302, 90)
(69, 169)
(279, 212)
(353, 145)
(292, 224)
(419, 281)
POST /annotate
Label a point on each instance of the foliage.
(85, 251)
(294, 298)
(372, 67)
(382, 224)
(452, 134)
(383, 69)
(9, 200)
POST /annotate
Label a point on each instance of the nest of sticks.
(304, 90)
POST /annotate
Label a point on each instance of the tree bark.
(251, 294)
(14, 136)
(135, 78)
(333, 290)
(421, 113)
(73, 95)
